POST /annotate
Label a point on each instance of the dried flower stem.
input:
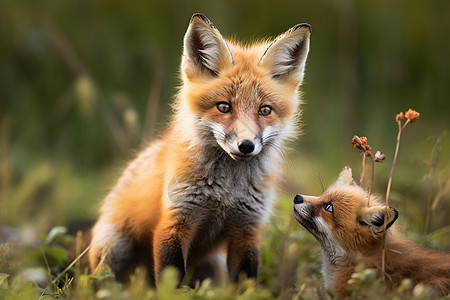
(363, 170)
(388, 191)
(371, 179)
(360, 143)
(400, 130)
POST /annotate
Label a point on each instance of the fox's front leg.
(243, 254)
(170, 246)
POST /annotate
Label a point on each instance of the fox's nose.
(298, 199)
(246, 146)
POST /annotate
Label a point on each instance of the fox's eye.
(328, 207)
(223, 107)
(265, 110)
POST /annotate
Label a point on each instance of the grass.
(289, 269)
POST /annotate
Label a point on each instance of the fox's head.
(244, 99)
(341, 220)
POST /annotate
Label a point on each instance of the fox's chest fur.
(221, 193)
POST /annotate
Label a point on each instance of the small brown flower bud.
(356, 142)
(379, 157)
(412, 115)
(364, 143)
(360, 143)
(399, 117)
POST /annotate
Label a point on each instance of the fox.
(197, 198)
(350, 231)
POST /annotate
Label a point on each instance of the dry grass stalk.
(411, 116)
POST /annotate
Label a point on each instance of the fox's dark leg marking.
(171, 254)
(169, 246)
(126, 255)
(243, 255)
(250, 262)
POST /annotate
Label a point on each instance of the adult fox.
(207, 186)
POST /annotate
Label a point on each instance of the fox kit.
(206, 187)
(350, 231)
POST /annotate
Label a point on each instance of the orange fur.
(207, 185)
(352, 233)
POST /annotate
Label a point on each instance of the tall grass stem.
(388, 191)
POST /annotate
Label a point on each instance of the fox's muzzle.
(243, 140)
(304, 214)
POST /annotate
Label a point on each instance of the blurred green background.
(84, 84)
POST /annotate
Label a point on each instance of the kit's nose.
(298, 199)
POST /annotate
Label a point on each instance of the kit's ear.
(345, 177)
(378, 218)
(286, 56)
(205, 51)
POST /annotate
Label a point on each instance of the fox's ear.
(376, 216)
(286, 56)
(205, 51)
(345, 177)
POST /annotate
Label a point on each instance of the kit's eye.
(223, 107)
(328, 206)
(265, 110)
